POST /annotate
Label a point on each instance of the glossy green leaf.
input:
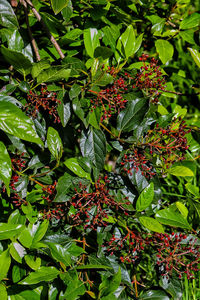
(5, 166)
(165, 50)
(8, 231)
(7, 15)
(151, 224)
(109, 285)
(133, 115)
(17, 252)
(60, 253)
(58, 5)
(93, 146)
(182, 208)
(170, 217)
(195, 55)
(41, 274)
(18, 60)
(5, 261)
(154, 295)
(15, 122)
(74, 290)
(190, 21)
(39, 66)
(38, 230)
(16, 218)
(138, 42)
(145, 198)
(54, 143)
(64, 112)
(180, 171)
(194, 190)
(91, 40)
(54, 73)
(87, 267)
(73, 165)
(33, 262)
(128, 41)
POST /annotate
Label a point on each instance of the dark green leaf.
(93, 145)
(54, 74)
(5, 261)
(133, 115)
(7, 15)
(73, 165)
(154, 295)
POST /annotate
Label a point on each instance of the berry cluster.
(150, 78)
(178, 252)
(93, 208)
(18, 162)
(111, 99)
(127, 247)
(45, 101)
(169, 144)
(53, 210)
(136, 160)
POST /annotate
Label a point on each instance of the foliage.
(99, 149)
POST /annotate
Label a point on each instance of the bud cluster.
(176, 252)
(45, 101)
(168, 144)
(150, 78)
(111, 99)
(93, 208)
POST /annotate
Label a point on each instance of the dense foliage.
(99, 150)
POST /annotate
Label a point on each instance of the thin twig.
(179, 93)
(33, 42)
(39, 18)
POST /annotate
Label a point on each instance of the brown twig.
(181, 94)
(39, 18)
(33, 42)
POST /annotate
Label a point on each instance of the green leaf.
(91, 40)
(190, 21)
(33, 262)
(18, 60)
(5, 262)
(64, 113)
(54, 73)
(93, 146)
(103, 52)
(3, 292)
(128, 41)
(39, 66)
(154, 295)
(18, 273)
(180, 171)
(17, 251)
(73, 165)
(195, 55)
(8, 231)
(60, 253)
(5, 166)
(145, 198)
(151, 224)
(41, 274)
(54, 143)
(15, 122)
(138, 42)
(194, 190)
(165, 50)
(188, 36)
(38, 230)
(58, 5)
(7, 15)
(182, 208)
(74, 289)
(169, 217)
(133, 114)
(110, 285)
